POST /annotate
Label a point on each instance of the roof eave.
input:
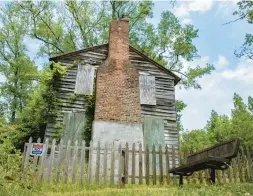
(177, 79)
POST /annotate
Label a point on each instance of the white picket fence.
(100, 163)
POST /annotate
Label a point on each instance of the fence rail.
(122, 164)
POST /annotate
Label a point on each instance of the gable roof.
(177, 79)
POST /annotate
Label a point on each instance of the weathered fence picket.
(112, 165)
(35, 163)
(97, 163)
(147, 164)
(26, 160)
(67, 158)
(160, 164)
(42, 165)
(74, 162)
(105, 163)
(154, 164)
(68, 161)
(120, 165)
(133, 164)
(140, 165)
(90, 161)
(126, 164)
(82, 167)
(58, 169)
(173, 163)
(167, 164)
(51, 161)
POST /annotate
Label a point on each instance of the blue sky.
(216, 45)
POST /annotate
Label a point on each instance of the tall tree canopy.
(245, 12)
(220, 127)
(71, 25)
(15, 64)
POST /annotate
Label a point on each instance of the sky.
(216, 44)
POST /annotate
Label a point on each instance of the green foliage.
(15, 64)
(42, 103)
(10, 159)
(180, 106)
(194, 140)
(220, 127)
(81, 24)
(89, 101)
(245, 12)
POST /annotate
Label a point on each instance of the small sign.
(38, 149)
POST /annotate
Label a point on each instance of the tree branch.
(242, 17)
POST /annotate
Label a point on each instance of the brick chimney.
(117, 82)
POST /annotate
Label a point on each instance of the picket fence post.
(90, 163)
(74, 162)
(27, 156)
(112, 164)
(133, 163)
(82, 162)
(154, 164)
(120, 165)
(58, 170)
(140, 165)
(51, 161)
(105, 163)
(97, 163)
(126, 163)
(67, 157)
(147, 164)
(44, 156)
(35, 163)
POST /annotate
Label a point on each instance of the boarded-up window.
(73, 126)
(84, 80)
(153, 131)
(147, 90)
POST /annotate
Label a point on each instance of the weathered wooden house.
(135, 96)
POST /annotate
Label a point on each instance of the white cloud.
(200, 5)
(185, 8)
(217, 93)
(243, 72)
(187, 21)
(181, 11)
(221, 63)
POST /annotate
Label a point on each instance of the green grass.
(18, 189)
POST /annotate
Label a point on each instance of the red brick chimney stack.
(118, 42)
(117, 85)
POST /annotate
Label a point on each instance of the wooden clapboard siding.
(95, 56)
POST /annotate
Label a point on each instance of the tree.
(15, 64)
(194, 140)
(81, 24)
(245, 12)
(242, 121)
(221, 128)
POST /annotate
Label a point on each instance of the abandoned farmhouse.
(135, 96)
